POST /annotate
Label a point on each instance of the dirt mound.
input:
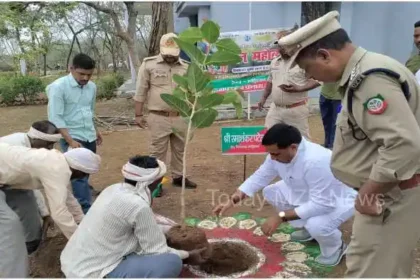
(45, 262)
(187, 238)
(228, 258)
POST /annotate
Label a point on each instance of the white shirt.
(21, 139)
(418, 76)
(21, 167)
(314, 188)
(119, 223)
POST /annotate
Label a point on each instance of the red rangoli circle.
(270, 250)
(279, 257)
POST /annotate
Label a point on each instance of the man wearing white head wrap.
(26, 168)
(26, 203)
(120, 236)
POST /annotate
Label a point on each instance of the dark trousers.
(81, 188)
(329, 111)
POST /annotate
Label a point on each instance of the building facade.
(383, 27)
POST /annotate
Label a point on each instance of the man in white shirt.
(52, 171)
(42, 134)
(308, 196)
(120, 237)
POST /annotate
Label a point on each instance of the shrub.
(20, 88)
(108, 84)
(28, 86)
(7, 95)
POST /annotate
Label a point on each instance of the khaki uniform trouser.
(165, 131)
(383, 246)
(296, 116)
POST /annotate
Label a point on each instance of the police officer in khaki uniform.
(377, 144)
(289, 90)
(165, 124)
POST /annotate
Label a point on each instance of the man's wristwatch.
(282, 215)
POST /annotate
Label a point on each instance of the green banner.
(238, 82)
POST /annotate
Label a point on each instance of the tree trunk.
(70, 51)
(160, 25)
(45, 63)
(314, 10)
(127, 34)
(133, 53)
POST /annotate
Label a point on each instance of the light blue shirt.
(72, 106)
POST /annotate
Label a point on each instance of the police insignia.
(376, 105)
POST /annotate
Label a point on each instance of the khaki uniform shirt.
(26, 168)
(391, 153)
(155, 78)
(279, 75)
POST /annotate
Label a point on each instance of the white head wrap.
(144, 177)
(36, 134)
(83, 159)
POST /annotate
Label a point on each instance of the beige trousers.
(383, 246)
(165, 131)
(297, 116)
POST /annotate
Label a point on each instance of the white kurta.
(119, 223)
(418, 76)
(21, 139)
(20, 167)
(309, 187)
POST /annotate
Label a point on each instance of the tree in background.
(162, 23)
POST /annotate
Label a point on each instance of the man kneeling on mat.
(120, 236)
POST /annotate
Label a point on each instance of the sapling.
(193, 97)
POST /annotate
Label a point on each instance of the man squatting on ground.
(28, 169)
(26, 203)
(308, 196)
(120, 237)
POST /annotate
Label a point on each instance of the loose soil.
(216, 175)
(49, 252)
(228, 258)
(188, 238)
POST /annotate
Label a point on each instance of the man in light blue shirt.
(71, 107)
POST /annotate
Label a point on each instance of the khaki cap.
(168, 45)
(308, 34)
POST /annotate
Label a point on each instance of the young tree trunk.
(160, 25)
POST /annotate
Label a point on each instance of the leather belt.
(164, 113)
(300, 103)
(410, 183)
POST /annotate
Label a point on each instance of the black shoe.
(177, 182)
